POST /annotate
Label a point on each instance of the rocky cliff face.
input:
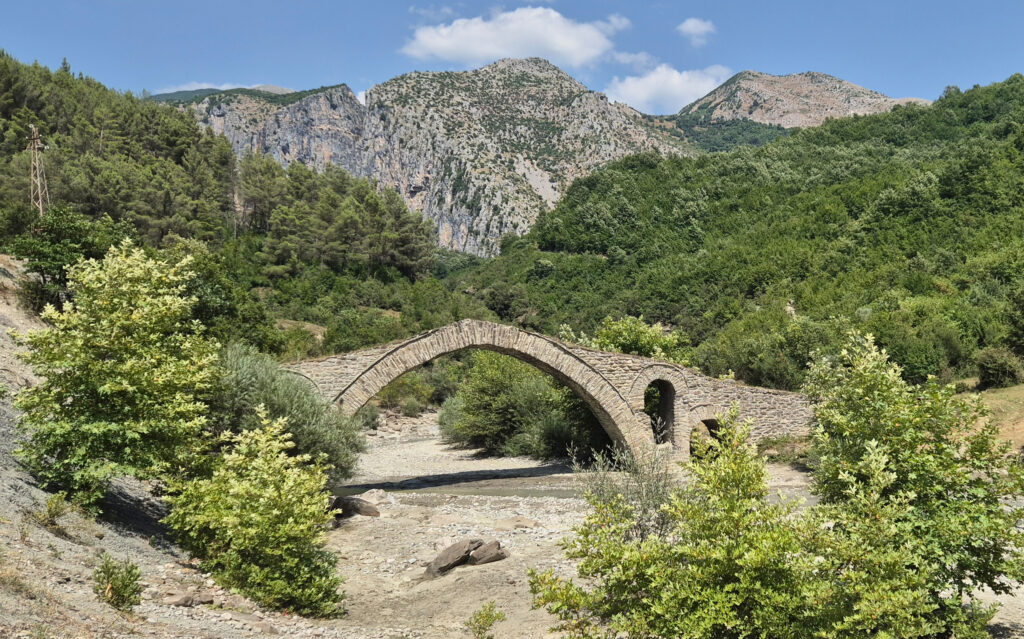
(796, 100)
(480, 152)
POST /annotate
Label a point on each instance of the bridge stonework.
(611, 384)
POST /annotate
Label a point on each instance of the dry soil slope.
(480, 152)
(795, 100)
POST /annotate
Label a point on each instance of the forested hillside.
(274, 244)
(908, 224)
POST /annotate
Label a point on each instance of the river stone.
(488, 553)
(353, 506)
(452, 556)
(179, 600)
(512, 523)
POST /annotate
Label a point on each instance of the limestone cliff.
(479, 152)
(796, 100)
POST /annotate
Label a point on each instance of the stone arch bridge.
(611, 384)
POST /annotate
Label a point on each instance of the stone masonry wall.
(613, 384)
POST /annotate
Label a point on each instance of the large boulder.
(452, 556)
(349, 506)
(488, 553)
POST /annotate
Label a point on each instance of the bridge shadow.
(463, 478)
(1006, 630)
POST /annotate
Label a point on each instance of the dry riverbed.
(429, 496)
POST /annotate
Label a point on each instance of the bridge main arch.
(603, 398)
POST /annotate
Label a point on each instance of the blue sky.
(655, 56)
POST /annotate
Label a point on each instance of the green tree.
(124, 373)
(59, 239)
(956, 480)
(508, 407)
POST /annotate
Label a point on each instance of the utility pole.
(40, 194)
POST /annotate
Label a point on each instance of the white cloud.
(192, 86)
(639, 61)
(524, 32)
(664, 89)
(696, 30)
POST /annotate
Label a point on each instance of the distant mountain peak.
(794, 100)
(480, 152)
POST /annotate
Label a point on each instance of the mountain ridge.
(480, 152)
(792, 100)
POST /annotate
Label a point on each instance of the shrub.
(645, 483)
(482, 621)
(997, 367)
(507, 407)
(725, 563)
(252, 379)
(258, 522)
(125, 370)
(410, 386)
(924, 453)
(59, 239)
(634, 336)
(56, 507)
(117, 583)
(411, 407)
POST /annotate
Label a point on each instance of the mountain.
(795, 100)
(481, 152)
(908, 225)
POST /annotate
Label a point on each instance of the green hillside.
(274, 244)
(908, 224)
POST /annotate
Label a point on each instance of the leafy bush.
(411, 407)
(633, 336)
(920, 455)
(252, 379)
(998, 367)
(724, 563)
(508, 407)
(482, 621)
(117, 583)
(258, 522)
(124, 373)
(59, 239)
(412, 386)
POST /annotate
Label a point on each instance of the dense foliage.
(505, 406)
(915, 522)
(906, 224)
(124, 373)
(251, 380)
(724, 135)
(326, 249)
(950, 476)
(258, 522)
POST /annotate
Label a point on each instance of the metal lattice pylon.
(40, 194)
